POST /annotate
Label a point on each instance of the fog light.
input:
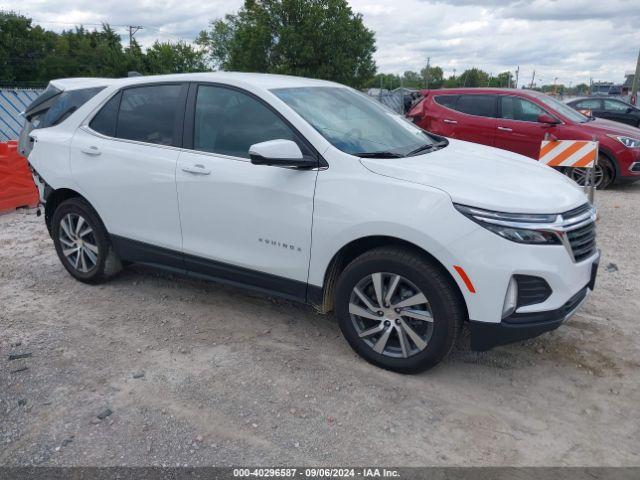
(510, 299)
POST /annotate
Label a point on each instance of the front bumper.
(521, 326)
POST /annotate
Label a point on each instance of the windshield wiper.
(426, 147)
(378, 155)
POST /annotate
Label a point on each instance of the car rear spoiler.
(42, 102)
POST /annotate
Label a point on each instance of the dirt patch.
(196, 373)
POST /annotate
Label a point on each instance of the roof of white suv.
(259, 80)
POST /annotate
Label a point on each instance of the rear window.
(591, 104)
(480, 105)
(65, 104)
(448, 101)
(148, 114)
(105, 121)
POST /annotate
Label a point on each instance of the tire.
(82, 242)
(605, 173)
(431, 340)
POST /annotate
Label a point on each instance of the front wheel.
(398, 310)
(604, 174)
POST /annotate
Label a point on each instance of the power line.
(127, 27)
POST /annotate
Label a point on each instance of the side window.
(229, 122)
(515, 108)
(591, 104)
(65, 104)
(614, 106)
(448, 101)
(480, 105)
(105, 120)
(148, 114)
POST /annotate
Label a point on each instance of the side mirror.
(279, 153)
(548, 119)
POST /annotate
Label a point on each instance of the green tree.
(387, 81)
(434, 75)
(30, 55)
(22, 48)
(473, 77)
(315, 38)
(503, 80)
(167, 57)
(412, 79)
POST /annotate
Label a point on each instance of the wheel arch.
(55, 198)
(322, 297)
(612, 158)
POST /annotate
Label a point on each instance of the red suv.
(517, 120)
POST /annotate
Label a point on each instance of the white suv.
(312, 191)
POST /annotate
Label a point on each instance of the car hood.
(608, 127)
(486, 177)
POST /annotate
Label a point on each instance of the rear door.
(124, 161)
(518, 129)
(436, 114)
(472, 118)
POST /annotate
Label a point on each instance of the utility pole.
(426, 74)
(133, 29)
(517, 75)
(533, 78)
(636, 79)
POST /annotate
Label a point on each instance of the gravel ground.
(192, 373)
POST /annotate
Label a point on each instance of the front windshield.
(564, 110)
(353, 122)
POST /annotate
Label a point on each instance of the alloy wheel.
(391, 315)
(579, 175)
(78, 242)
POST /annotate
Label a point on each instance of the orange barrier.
(16, 183)
(568, 153)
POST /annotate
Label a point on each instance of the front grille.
(582, 239)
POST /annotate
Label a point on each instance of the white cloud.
(568, 39)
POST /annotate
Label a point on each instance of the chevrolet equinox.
(310, 190)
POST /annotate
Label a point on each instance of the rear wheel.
(398, 310)
(82, 242)
(604, 174)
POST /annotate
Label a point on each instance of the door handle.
(92, 150)
(197, 169)
(505, 129)
(446, 120)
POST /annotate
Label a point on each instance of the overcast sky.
(569, 39)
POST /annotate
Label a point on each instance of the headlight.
(518, 227)
(628, 142)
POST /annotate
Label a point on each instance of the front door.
(518, 129)
(619, 112)
(242, 222)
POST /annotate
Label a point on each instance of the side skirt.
(206, 269)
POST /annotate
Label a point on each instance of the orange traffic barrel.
(16, 183)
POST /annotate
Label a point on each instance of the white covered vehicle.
(310, 190)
